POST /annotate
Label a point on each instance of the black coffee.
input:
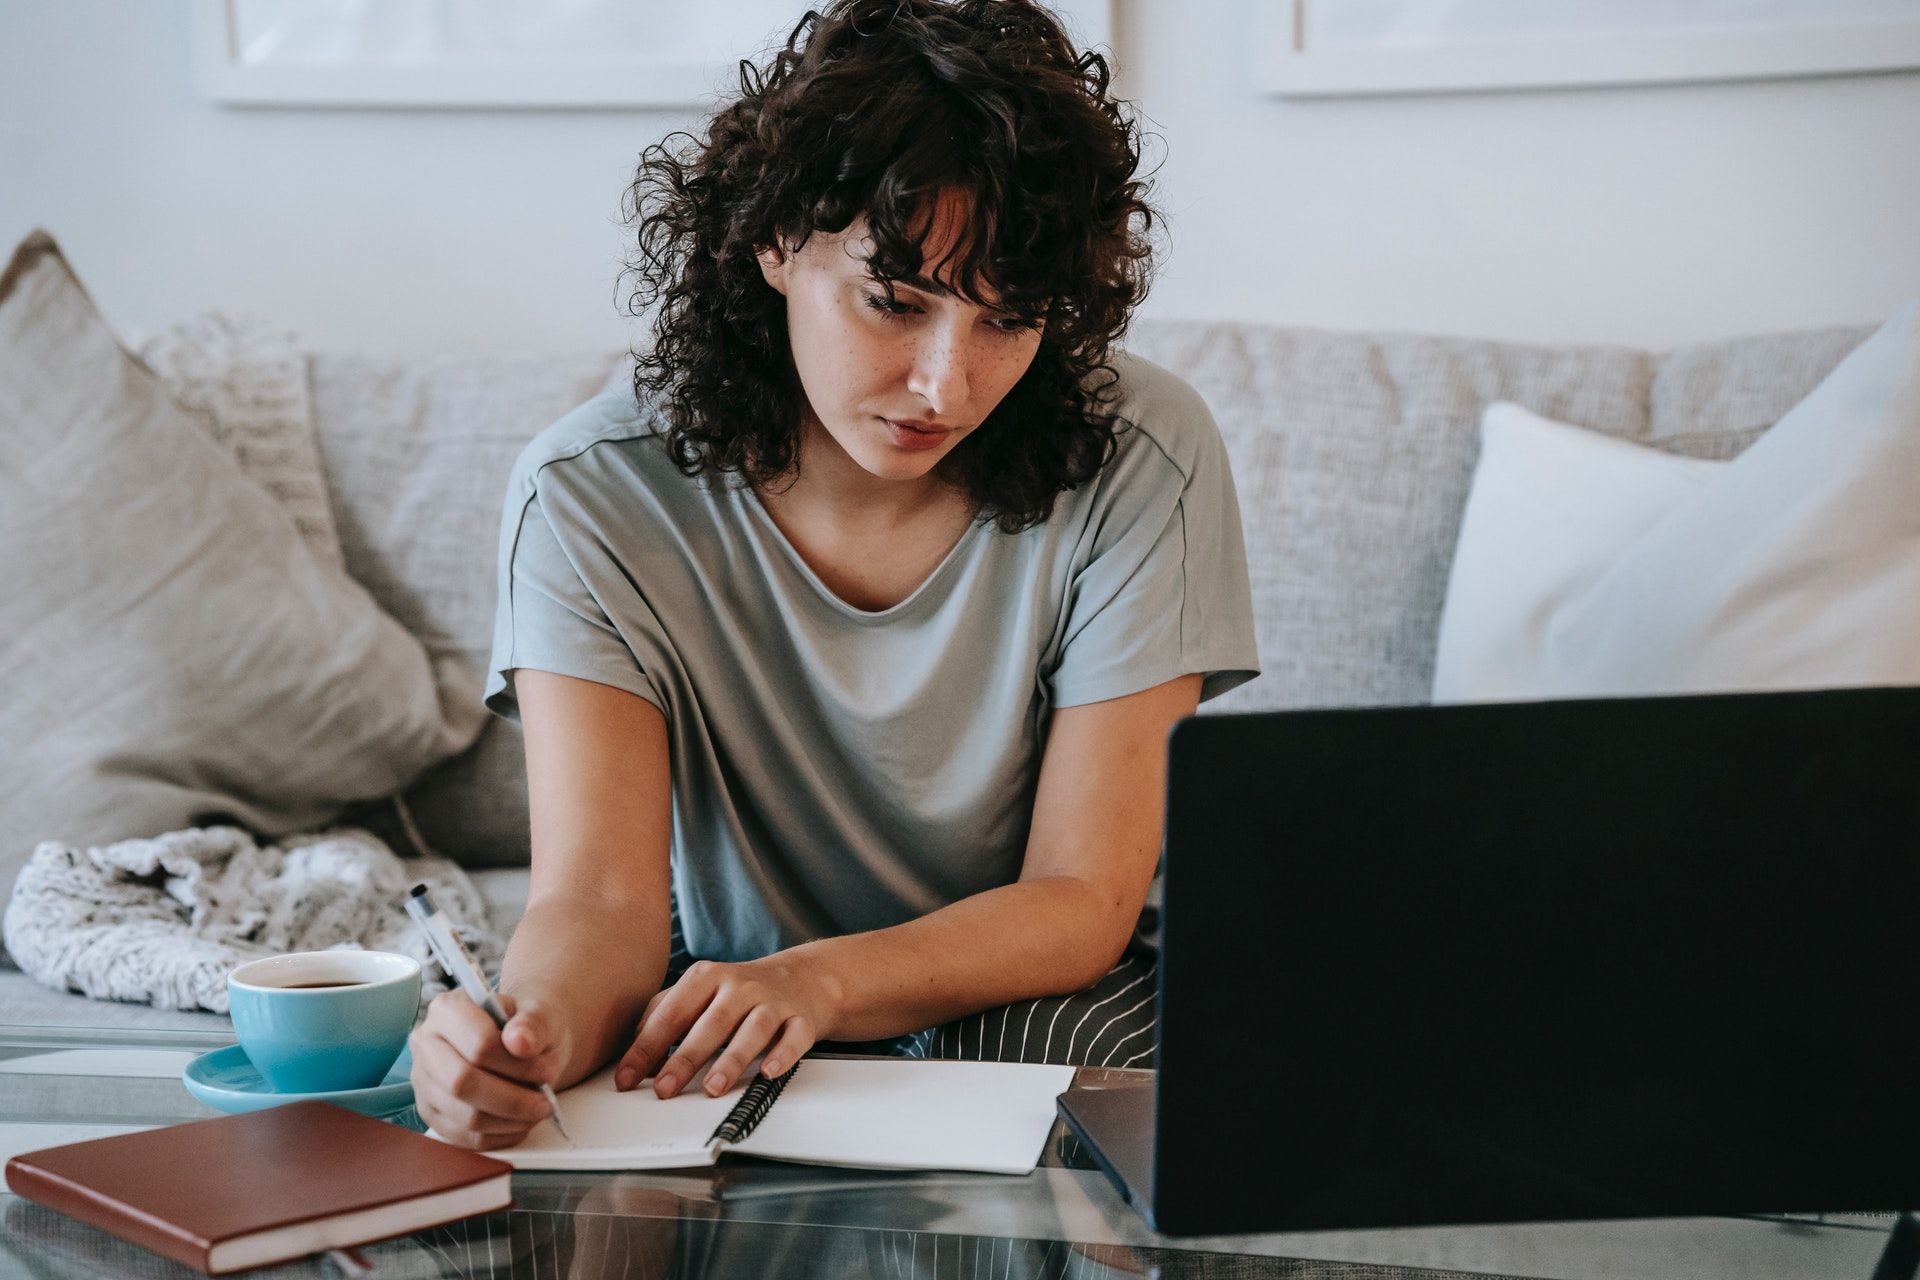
(299, 986)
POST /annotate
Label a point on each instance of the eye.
(888, 306)
(1018, 324)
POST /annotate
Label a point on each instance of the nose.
(940, 373)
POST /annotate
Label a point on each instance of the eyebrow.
(939, 290)
(925, 285)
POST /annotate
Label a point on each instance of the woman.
(856, 632)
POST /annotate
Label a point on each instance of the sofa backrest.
(1352, 454)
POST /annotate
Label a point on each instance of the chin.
(907, 468)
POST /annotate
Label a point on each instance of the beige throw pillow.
(173, 649)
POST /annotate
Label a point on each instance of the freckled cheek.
(844, 363)
(880, 363)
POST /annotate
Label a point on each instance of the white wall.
(1641, 216)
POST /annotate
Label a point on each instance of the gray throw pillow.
(173, 650)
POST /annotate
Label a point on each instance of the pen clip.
(448, 950)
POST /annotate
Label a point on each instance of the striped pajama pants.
(1110, 1024)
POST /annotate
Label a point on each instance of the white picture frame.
(583, 79)
(1801, 38)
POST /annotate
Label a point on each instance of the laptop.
(1618, 958)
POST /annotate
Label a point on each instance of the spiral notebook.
(862, 1113)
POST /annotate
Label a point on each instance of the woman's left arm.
(1091, 853)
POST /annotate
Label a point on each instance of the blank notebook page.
(878, 1113)
(890, 1113)
(632, 1130)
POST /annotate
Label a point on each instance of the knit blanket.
(162, 920)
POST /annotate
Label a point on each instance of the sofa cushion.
(1588, 567)
(416, 456)
(25, 1003)
(174, 648)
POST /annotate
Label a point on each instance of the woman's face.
(870, 366)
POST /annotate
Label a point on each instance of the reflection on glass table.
(755, 1218)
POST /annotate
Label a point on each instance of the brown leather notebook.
(248, 1190)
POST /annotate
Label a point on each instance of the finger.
(459, 1124)
(641, 1064)
(668, 1015)
(470, 1031)
(448, 1124)
(796, 1037)
(713, 1029)
(755, 1033)
(528, 1038)
(470, 1091)
(456, 1121)
(657, 1035)
(529, 1035)
(651, 1040)
(462, 1086)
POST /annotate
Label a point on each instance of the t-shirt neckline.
(826, 593)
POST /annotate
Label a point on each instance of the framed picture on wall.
(502, 53)
(1330, 47)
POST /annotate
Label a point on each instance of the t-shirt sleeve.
(1165, 592)
(547, 618)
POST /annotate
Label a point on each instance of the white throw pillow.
(1589, 566)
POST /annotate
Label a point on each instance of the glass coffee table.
(766, 1221)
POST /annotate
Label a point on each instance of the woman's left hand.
(737, 1011)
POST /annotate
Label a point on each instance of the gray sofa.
(1352, 452)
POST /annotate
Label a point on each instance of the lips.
(909, 434)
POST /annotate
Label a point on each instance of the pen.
(460, 967)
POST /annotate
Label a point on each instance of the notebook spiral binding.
(752, 1107)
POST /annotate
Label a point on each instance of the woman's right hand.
(477, 1084)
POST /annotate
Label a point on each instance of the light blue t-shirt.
(837, 770)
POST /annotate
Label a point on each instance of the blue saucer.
(226, 1081)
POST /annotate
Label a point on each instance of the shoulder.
(1158, 412)
(610, 430)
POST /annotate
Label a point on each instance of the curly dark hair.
(875, 108)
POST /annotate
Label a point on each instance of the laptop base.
(1117, 1127)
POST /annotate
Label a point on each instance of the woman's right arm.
(592, 947)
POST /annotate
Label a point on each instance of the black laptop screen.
(1615, 958)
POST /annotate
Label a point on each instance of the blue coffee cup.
(317, 1021)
